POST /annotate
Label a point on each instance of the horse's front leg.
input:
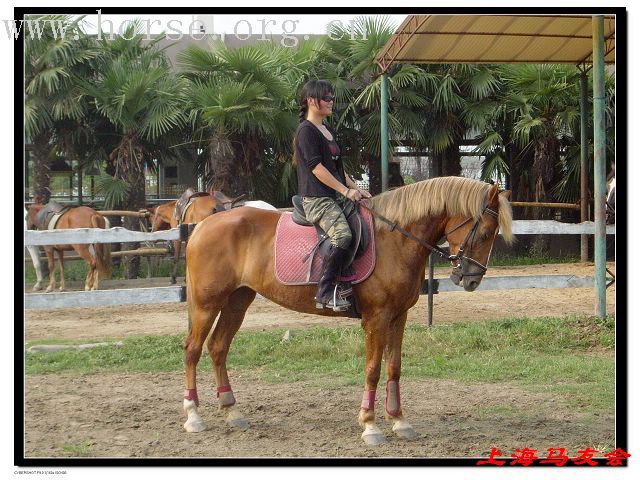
(52, 271)
(375, 331)
(201, 322)
(393, 354)
(34, 253)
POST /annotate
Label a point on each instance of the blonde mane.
(450, 195)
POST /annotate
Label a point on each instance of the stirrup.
(336, 303)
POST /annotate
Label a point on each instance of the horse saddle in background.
(184, 201)
(225, 203)
(301, 245)
(48, 216)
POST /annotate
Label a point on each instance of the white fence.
(177, 294)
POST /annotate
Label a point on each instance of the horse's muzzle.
(470, 283)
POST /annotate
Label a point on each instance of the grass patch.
(82, 449)
(570, 356)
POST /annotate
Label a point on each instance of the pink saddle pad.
(293, 242)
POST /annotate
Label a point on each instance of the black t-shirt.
(313, 148)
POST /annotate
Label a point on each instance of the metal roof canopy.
(496, 39)
(573, 39)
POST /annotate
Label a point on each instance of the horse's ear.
(493, 191)
(506, 194)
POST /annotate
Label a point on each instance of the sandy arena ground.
(140, 415)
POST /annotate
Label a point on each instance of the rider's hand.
(364, 193)
(354, 195)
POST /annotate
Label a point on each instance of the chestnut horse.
(230, 257)
(200, 208)
(99, 262)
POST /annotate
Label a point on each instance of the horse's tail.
(103, 250)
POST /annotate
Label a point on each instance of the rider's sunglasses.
(328, 98)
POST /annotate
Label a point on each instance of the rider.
(320, 176)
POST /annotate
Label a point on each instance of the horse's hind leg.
(228, 324)
(84, 253)
(61, 268)
(201, 322)
(393, 352)
(177, 246)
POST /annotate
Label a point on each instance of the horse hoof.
(239, 423)
(86, 289)
(236, 420)
(195, 426)
(172, 281)
(48, 290)
(36, 288)
(374, 439)
(404, 430)
(373, 436)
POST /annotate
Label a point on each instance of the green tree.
(54, 105)
(242, 109)
(139, 112)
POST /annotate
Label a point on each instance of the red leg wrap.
(192, 394)
(392, 404)
(225, 396)
(368, 400)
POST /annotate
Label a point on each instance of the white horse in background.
(611, 197)
(34, 253)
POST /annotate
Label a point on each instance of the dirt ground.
(448, 307)
(140, 415)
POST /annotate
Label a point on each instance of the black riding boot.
(326, 286)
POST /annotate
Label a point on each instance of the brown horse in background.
(163, 219)
(230, 257)
(98, 262)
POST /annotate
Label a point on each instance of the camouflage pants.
(327, 213)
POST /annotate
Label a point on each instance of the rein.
(444, 254)
(394, 226)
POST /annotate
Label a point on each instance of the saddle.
(360, 235)
(49, 215)
(225, 203)
(184, 201)
(299, 246)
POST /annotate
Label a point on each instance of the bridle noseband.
(459, 257)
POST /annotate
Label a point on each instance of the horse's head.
(161, 216)
(471, 239)
(32, 211)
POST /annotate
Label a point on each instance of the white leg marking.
(372, 435)
(234, 418)
(403, 429)
(194, 422)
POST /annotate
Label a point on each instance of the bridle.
(459, 257)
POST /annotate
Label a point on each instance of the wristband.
(347, 192)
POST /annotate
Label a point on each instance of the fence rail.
(121, 235)
(176, 294)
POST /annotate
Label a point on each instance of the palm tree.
(349, 64)
(139, 113)
(54, 105)
(242, 109)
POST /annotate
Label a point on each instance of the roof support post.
(599, 167)
(384, 131)
(584, 166)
